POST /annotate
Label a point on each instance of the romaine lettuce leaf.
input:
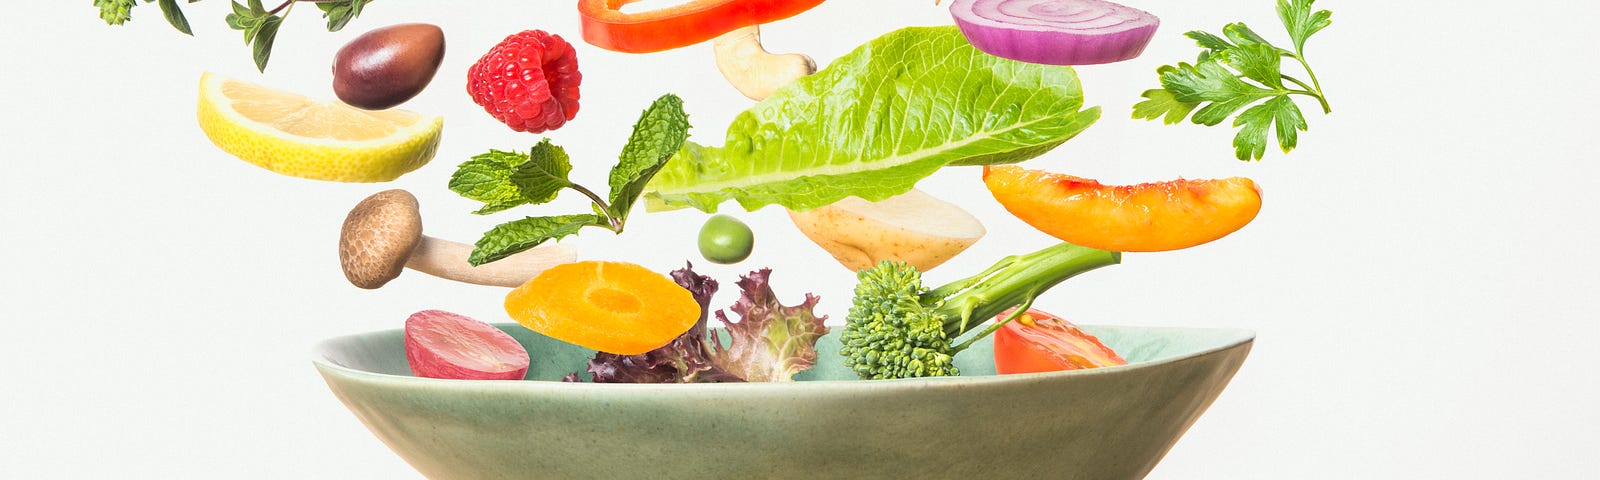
(876, 121)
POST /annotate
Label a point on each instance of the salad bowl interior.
(1106, 423)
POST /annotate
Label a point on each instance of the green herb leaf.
(543, 176)
(875, 122)
(261, 41)
(1257, 62)
(115, 12)
(1298, 18)
(1251, 141)
(1161, 104)
(659, 133)
(509, 238)
(340, 13)
(174, 15)
(487, 178)
(1218, 84)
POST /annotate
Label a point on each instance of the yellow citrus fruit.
(298, 136)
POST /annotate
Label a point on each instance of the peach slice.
(1148, 217)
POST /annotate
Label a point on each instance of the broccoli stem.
(1013, 281)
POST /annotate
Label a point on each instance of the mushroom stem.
(752, 69)
(448, 260)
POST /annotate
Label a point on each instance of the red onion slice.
(1055, 32)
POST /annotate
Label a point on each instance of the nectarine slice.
(1148, 217)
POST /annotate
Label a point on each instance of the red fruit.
(529, 81)
(1041, 342)
(441, 344)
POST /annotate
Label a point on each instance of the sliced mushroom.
(752, 69)
(383, 235)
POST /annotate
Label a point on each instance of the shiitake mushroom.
(387, 66)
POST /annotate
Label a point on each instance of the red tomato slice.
(1041, 342)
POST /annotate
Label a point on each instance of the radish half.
(1055, 32)
(441, 344)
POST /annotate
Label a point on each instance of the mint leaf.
(509, 238)
(543, 176)
(487, 178)
(115, 12)
(174, 15)
(659, 133)
(1161, 104)
(1301, 22)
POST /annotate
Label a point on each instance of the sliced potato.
(913, 227)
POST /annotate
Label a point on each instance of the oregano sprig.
(259, 24)
(504, 180)
(1237, 69)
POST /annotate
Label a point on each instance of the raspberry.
(529, 81)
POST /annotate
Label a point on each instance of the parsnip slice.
(913, 227)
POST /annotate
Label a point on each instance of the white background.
(1421, 276)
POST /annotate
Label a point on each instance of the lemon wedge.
(298, 136)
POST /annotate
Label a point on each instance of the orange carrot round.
(612, 307)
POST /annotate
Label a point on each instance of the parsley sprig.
(504, 180)
(1237, 69)
(260, 25)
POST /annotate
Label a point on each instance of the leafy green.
(1219, 83)
(340, 13)
(504, 180)
(876, 121)
(260, 25)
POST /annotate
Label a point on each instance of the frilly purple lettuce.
(770, 342)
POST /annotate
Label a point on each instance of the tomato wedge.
(606, 26)
(1041, 342)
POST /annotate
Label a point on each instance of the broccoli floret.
(897, 328)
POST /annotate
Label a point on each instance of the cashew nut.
(752, 69)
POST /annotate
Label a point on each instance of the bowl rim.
(1236, 337)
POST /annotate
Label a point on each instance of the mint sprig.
(504, 180)
(260, 25)
(1241, 68)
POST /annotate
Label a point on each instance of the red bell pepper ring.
(606, 26)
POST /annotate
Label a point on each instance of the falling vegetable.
(913, 227)
(382, 235)
(441, 344)
(897, 328)
(605, 25)
(876, 121)
(612, 307)
(259, 24)
(1055, 32)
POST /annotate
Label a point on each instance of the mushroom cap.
(378, 237)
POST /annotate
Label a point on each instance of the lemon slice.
(298, 136)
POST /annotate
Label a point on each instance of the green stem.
(1315, 85)
(1015, 313)
(616, 226)
(1017, 282)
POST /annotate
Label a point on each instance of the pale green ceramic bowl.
(1108, 423)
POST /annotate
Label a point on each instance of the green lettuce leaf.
(875, 122)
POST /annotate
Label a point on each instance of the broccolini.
(897, 328)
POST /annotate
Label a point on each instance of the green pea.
(724, 239)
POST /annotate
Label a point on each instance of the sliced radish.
(1055, 32)
(441, 344)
